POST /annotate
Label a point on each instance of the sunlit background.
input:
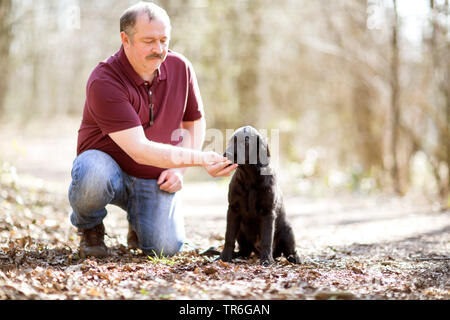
(359, 90)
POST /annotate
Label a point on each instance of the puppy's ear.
(267, 147)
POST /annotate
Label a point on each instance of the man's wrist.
(200, 158)
(182, 171)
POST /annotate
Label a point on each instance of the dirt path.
(353, 247)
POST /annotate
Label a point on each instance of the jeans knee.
(95, 177)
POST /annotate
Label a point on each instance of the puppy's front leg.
(233, 224)
(267, 230)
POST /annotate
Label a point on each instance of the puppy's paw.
(226, 256)
(294, 258)
(267, 262)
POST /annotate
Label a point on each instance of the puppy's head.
(248, 146)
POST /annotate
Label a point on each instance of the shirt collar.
(161, 72)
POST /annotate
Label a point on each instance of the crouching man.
(126, 156)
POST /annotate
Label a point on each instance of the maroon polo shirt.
(117, 98)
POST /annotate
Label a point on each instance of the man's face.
(147, 47)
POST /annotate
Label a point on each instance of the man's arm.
(134, 142)
(196, 130)
(193, 132)
(194, 136)
(171, 180)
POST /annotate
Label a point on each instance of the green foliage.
(160, 259)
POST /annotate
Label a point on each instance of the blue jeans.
(97, 180)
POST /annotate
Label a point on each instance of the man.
(126, 153)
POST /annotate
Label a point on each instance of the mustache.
(152, 56)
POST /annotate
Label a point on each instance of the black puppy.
(256, 217)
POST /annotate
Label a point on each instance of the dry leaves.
(39, 260)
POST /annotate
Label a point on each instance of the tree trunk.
(447, 95)
(5, 42)
(395, 105)
(247, 26)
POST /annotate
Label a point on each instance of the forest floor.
(352, 246)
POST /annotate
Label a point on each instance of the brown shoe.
(132, 239)
(91, 243)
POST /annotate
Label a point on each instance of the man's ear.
(126, 41)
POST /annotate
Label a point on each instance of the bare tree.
(395, 100)
(439, 110)
(6, 37)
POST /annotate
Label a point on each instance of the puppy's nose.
(229, 155)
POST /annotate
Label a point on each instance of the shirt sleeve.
(109, 105)
(194, 103)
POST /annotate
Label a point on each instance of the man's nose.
(158, 47)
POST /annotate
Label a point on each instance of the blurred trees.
(5, 41)
(395, 97)
(434, 100)
(346, 89)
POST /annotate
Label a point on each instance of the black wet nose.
(228, 155)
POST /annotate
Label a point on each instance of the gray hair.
(128, 18)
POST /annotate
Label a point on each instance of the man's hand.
(221, 168)
(170, 180)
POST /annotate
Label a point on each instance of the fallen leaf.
(357, 270)
(338, 295)
(210, 270)
(93, 292)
